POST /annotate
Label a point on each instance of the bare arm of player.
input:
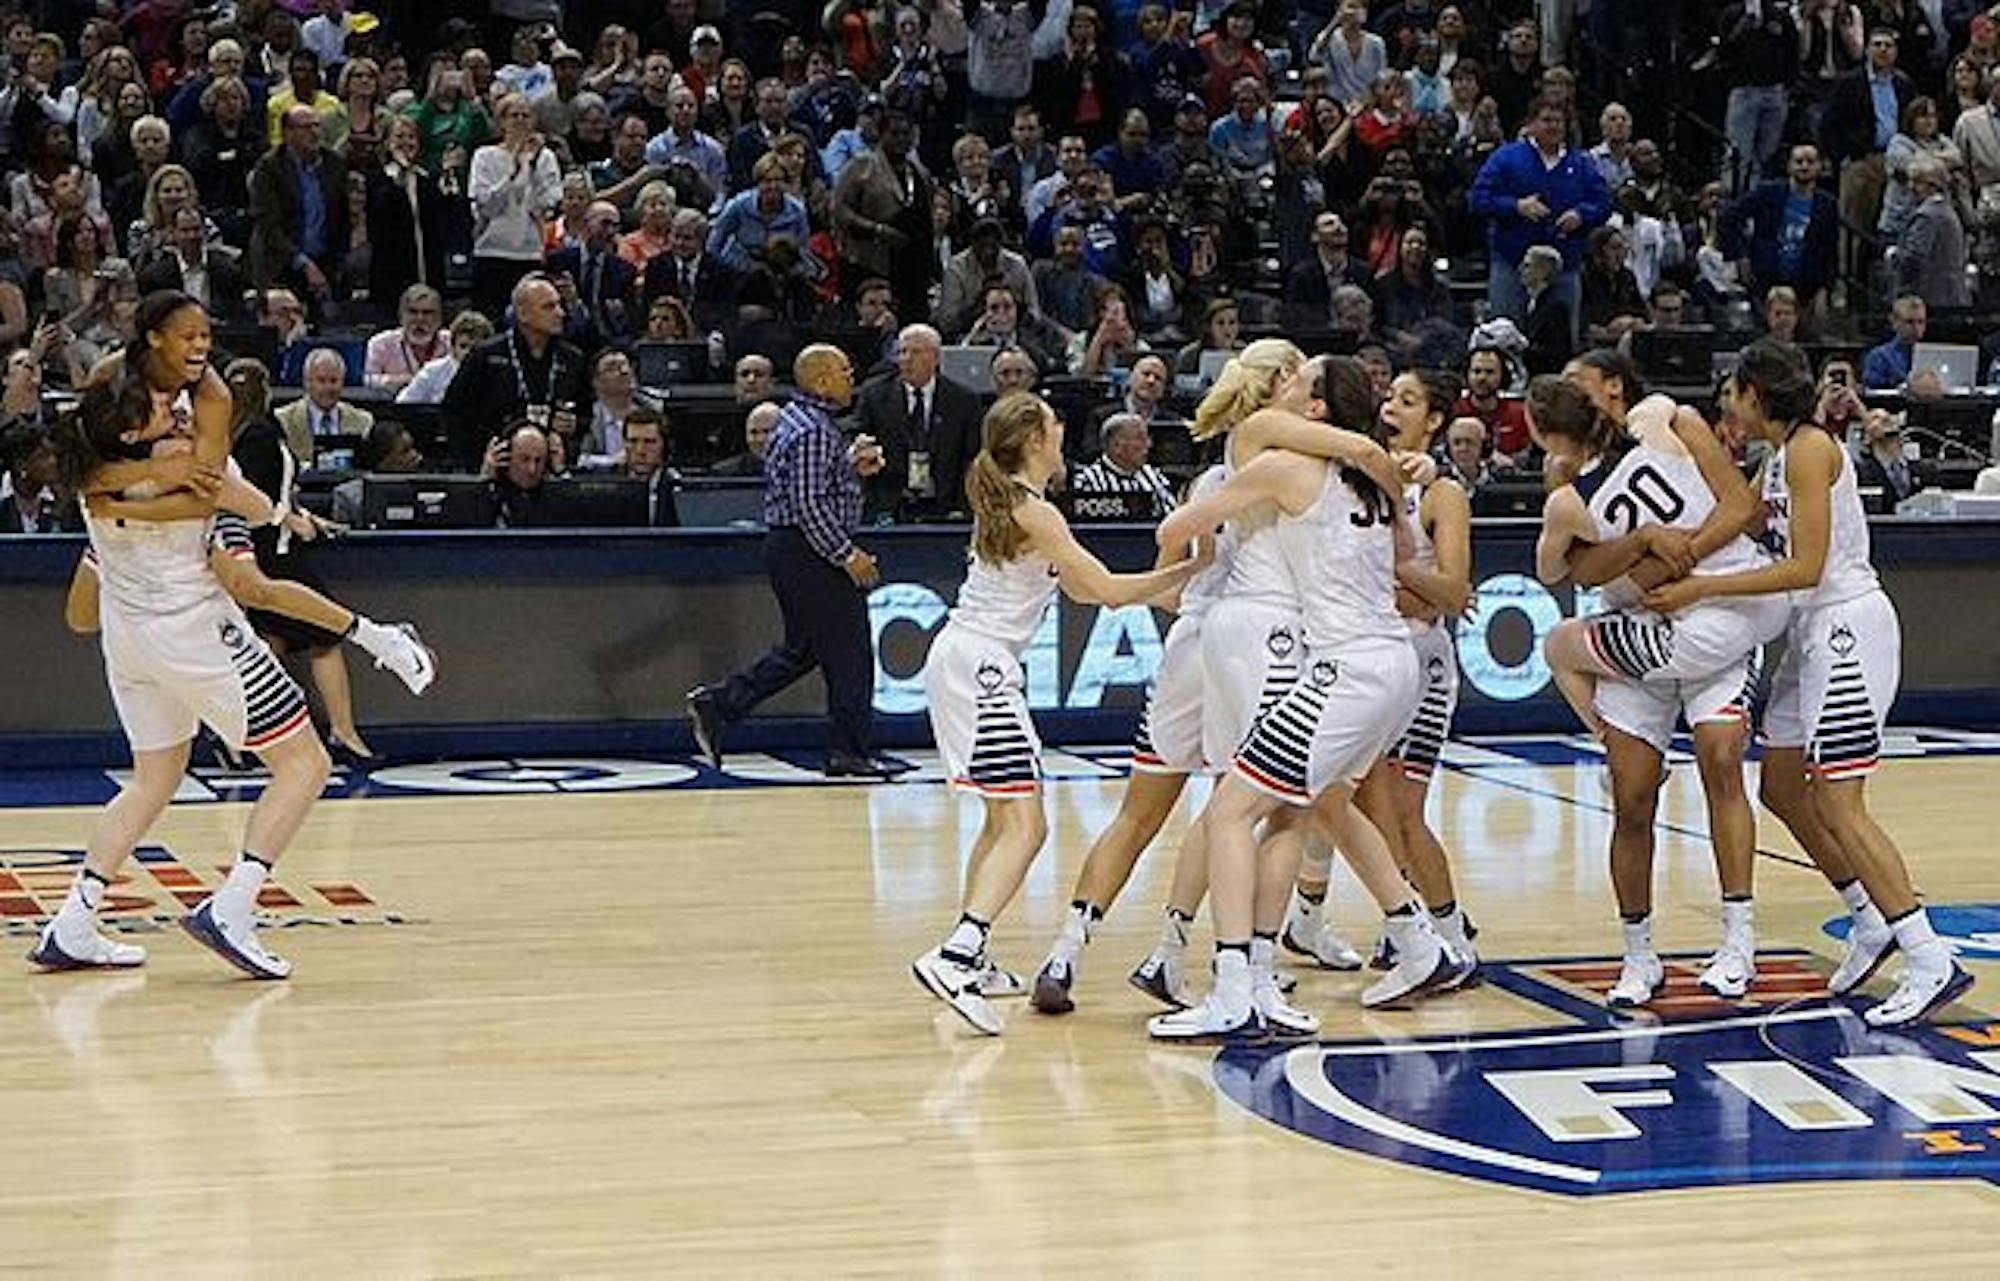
(249, 587)
(1812, 465)
(212, 405)
(80, 608)
(1270, 428)
(1563, 526)
(1735, 505)
(168, 473)
(1083, 577)
(1275, 476)
(1447, 512)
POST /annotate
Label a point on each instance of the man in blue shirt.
(1864, 111)
(1538, 192)
(812, 509)
(1788, 232)
(1887, 367)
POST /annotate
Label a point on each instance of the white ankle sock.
(236, 901)
(1913, 932)
(1739, 924)
(1262, 953)
(78, 913)
(370, 636)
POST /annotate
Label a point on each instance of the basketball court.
(587, 1017)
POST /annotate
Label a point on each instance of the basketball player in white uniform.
(1640, 507)
(1831, 695)
(1022, 552)
(178, 652)
(1167, 750)
(1336, 535)
(1433, 586)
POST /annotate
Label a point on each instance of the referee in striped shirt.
(1123, 469)
(812, 508)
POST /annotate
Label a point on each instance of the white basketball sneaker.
(998, 984)
(235, 943)
(1638, 982)
(402, 651)
(957, 986)
(1281, 1018)
(1867, 948)
(1729, 972)
(1422, 963)
(1932, 979)
(1215, 1020)
(89, 950)
(1321, 944)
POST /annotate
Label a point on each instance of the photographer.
(527, 372)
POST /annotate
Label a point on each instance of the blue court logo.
(1972, 929)
(1802, 1091)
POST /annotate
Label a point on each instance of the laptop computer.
(426, 502)
(1957, 367)
(969, 367)
(671, 364)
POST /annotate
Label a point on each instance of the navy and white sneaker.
(1866, 950)
(236, 945)
(1640, 979)
(1924, 991)
(1421, 967)
(1163, 977)
(1320, 943)
(1051, 994)
(93, 952)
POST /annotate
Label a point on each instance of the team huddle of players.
(1316, 572)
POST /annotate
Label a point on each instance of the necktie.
(920, 420)
(687, 280)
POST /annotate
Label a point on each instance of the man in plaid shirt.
(812, 507)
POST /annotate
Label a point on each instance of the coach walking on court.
(812, 506)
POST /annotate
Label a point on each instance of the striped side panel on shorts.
(1276, 754)
(1629, 646)
(274, 705)
(1143, 752)
(1003, 759)
(1423, 742)
(1847, 742)
(230, 535)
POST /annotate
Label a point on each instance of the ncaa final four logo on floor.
(1797, 1090)
(156, 889)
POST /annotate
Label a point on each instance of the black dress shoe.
(848, 765)
(706, 720)
(893, 766)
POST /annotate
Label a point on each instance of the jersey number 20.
(1648, 489)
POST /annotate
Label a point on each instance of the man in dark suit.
(298, 211)
(1761, 227)
(1879, 463)
(646, 459)
(687, 271)
(28, 503)
(211, 276)
(1310, 284)
(928, 428)
(761, 134)
(1864, 111)
(603, 282)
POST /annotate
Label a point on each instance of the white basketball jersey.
(1006, 602)
(152, 568)
(1848, 573)
(1342, 554)
(1210, 584)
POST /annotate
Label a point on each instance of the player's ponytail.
(1007, 435)
(1247, 384)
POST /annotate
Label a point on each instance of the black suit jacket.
(616, 282)
(1850, 112)
(63, 518)
(883, 411)
(392, 237)
(277, 217)
(225, 280)
(713, 306)
(1869, 473)
(1308, 296)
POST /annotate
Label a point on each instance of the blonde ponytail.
(1009, 430)
(1246, 385)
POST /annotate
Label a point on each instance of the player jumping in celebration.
(1336, 534)
(1022, 552)
(1831, 695)
(1433, 587)
(177, 651)
(1644, 507)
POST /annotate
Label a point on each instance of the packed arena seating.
(1049, 192)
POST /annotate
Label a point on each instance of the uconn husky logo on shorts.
(1325, 672)
(1841, 642)
(1800, 1092)
(990, 677)
(230, 634)
(1281, 643)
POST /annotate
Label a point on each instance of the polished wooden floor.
(674, 1033)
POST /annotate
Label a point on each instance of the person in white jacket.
(514, 184)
